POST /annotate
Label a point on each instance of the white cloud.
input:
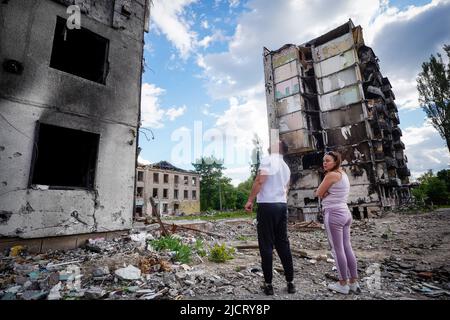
(151, 112)
(240, 123)
(174, 113)
(233, 3)
(425, 149)
(204, 24)
(169, 17)
(237, 174)
(143, 161)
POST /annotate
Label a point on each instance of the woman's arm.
(329, 179)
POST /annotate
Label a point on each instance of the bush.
(220, 253)
(433, 189)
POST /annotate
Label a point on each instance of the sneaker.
(291, 287)
(268, 289)
(355, 288)
(339, 288)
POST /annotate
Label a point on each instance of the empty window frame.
(80, 52)
(64, 158)
(175, 193)
(165, 193)
(176, 179)
(155, 177)
(194, 181)
(186, 195)
(166, 178)
(155, 193)
(194, 195)
(140, 192)
(186, 180)
(140, 175)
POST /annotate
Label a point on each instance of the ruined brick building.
(69, 117)
(174, 191)
(329, 94)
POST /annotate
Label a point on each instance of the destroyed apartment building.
(166, 189)
(69, 114)
(329, 94)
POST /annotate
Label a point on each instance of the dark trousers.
(272, 231)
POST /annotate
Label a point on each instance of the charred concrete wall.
(329, 94)
(39, 90)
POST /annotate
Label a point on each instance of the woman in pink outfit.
(334, 191)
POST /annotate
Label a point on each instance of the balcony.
(399, 145)
(391, 162)
(403, 172)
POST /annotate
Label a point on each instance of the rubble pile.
(399, 257)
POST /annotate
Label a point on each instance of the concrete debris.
(128, 273)
(411, 264)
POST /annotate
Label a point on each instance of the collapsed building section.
(69, 115)
(329, 94)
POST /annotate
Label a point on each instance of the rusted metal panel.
(298, 141)
(285, 71)
(335, 64)
(290, 104)
(340, 98)
(342, 117)
(287, 88)
(350, 134)
(292, 121)
(333, 47)
(286, 55)
(337, 80)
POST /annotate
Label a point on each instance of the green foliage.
(216, 215)
(199, 247)
(433, 84)
(433, 189)
(221, 253)
(182, 251)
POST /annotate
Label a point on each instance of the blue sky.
(203, 89)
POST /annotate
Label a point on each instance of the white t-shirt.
(278, 175)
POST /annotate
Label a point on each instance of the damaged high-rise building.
(329, 94)
(70, 89)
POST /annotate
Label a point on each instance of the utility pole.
(220, 196)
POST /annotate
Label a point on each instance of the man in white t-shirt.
(270, 189)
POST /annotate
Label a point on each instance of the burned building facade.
(329, 94)
(69, 114)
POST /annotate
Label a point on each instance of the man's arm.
(257, 185)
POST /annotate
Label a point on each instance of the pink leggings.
(337, 224)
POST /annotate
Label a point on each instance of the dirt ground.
(399, 257)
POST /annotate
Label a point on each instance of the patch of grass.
(244, 238)
(220, 253)
(217, 216)
(199, 247)
(183, 252)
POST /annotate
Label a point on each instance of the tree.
(210, 171)
(433, 84)
(433, 189)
